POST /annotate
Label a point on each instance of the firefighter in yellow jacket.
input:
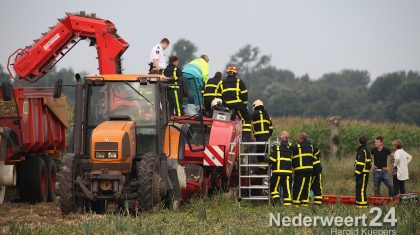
(262, 128)
(281, 171)
(235, 97)
(302, 162)
(316, 183)
(362, 167)
(176, 89)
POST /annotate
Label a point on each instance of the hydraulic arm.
(32, 62)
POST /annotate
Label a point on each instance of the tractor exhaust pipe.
(78, 120)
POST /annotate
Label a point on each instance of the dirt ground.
(35, 215)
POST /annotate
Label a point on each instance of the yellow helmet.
(257, 103)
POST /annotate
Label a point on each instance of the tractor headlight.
(112, 155)
(106, 155)
(100, 155)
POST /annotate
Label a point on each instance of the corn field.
(319, 132)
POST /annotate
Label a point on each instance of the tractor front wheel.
(148, 181)
(66, 188)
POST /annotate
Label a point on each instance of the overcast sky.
(312, 36)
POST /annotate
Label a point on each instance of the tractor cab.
(125, 99)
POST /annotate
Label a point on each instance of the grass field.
(222, 213)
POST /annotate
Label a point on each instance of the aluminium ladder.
(253, 186)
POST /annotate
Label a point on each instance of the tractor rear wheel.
(148, 181)
(66, 190)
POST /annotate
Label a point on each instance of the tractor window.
(119, 99)
(123, 99)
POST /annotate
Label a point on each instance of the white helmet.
(257, 103)
(216, 101)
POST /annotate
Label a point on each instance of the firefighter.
(175, 91)
(302, 162)
(235, 97)
(362, 167)
(262, 128)
(316, 183)
(211, 91)
(281, 171)
(157, 61)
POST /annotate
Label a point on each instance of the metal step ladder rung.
(254, 165)
(254, 176)
(254, 143)
(252, 154)
(255, 187)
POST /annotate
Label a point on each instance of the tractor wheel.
(148, 181)
(34, 180)
(65, 177)
(2, 194)
(51, 172)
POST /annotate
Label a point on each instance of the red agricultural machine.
(32, 134)
(124, 146)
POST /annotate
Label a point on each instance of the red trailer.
(32, 134)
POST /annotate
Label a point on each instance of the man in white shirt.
(400, 172)
(158, 61)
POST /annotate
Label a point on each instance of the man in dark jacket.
(175, 91)
(211, 90)
(262, 128)
(235, 97)
(362, 167)
(302, 163)
(281, 172)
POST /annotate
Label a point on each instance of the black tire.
(66, 191)
(148, 181)
(34, 180)
(51, 172)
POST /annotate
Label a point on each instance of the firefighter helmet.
(231, 70)
(216, 101)
(257, 103)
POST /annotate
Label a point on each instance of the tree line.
(351, 94)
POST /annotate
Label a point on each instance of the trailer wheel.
(51, 173)
(66, 190)
(148, 181)
(34, 183)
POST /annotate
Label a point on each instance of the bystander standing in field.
(400, 172)
(380, 155)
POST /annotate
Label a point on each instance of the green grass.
(223, 214)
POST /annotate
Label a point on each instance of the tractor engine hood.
(113, 142)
